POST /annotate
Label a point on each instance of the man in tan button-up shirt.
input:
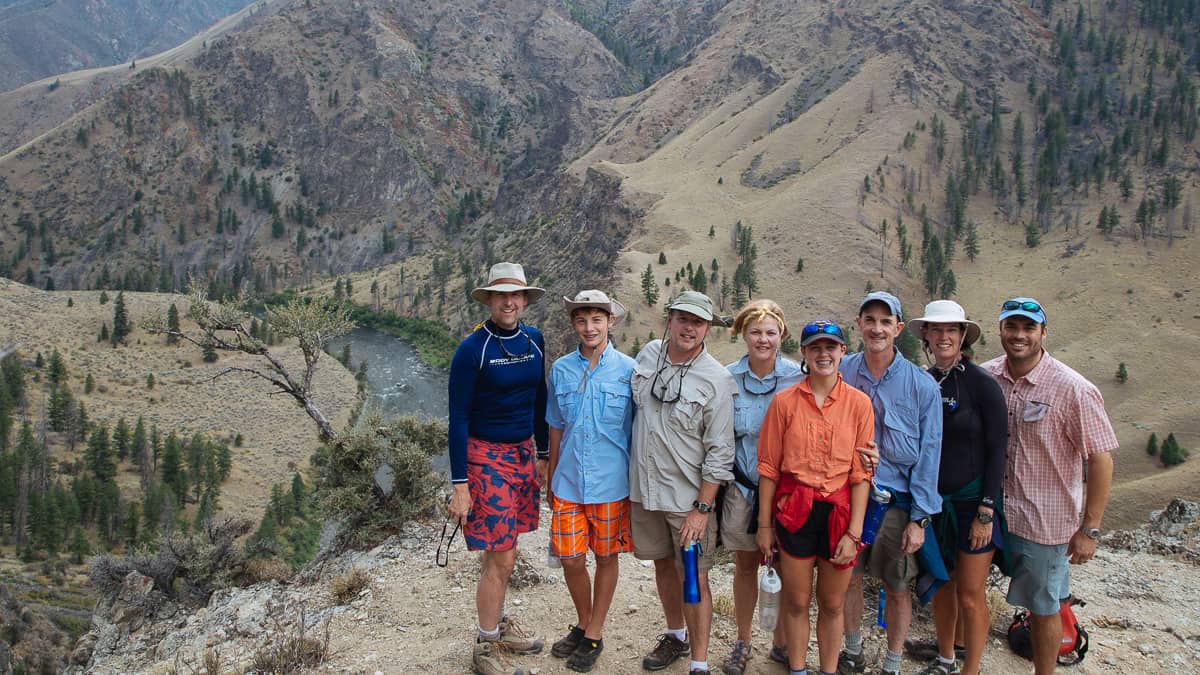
(683, 450)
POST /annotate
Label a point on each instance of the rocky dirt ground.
(415, 617)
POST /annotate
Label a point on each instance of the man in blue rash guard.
(497, 417)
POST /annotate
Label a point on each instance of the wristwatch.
(1091, 532)
(702, 507)
(922, 523)
(984, 517)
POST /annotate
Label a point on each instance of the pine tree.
(649, 288)
(662, 258)
(1171, 454)
(80, 548)
(103, 332)
(56, 371)
(120, 439)
(99, 455)
(972, 244)
(121, 327)
(1122, 373)
(173, 474)
(209, 352)
(89, 384)
(172, 324)
(1152, 445)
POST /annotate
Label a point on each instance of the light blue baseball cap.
(1026, 307)
(892, 302)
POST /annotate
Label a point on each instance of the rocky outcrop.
(1173, 531)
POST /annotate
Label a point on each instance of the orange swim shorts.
(604, 528)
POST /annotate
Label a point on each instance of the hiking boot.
(484, 661)
(665, 652)
(514, 639)
(697, 671)
(585, 655)
(927, 650)
(851, 663)
(566, 646)
(739, 656)
(939, 668)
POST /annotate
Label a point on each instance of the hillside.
(278, 437)
(41, 39)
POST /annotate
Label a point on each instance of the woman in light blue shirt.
(759, 375)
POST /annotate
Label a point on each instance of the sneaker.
(697, 671)
(566, 646)
(739, 656)
(514, 639)
(665, 652)
(927, 650)
(484, 661)
(585, 655)
(851, 663)
(939, 668)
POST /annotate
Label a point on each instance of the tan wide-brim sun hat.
(946, 311)
(597, 299)
(507, 277)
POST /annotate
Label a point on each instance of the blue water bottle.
(879, 616)
(877, 507)
(691, 573)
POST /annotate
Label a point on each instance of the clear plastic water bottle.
(877, 507)
(552, 561)
(691, 573)
(769, 587)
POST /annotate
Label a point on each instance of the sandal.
(778, 654)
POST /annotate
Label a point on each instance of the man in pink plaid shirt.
(1056, 421)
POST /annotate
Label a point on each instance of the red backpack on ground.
(1074, 639)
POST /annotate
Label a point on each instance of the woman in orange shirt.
(813, 490)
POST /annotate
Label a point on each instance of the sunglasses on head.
(821, 327)
(1027, 306)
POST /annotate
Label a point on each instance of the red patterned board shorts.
(504, 494)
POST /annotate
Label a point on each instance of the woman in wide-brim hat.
(498, 449)
(974, 437)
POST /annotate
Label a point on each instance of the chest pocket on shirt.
(689, 410)
(1034, 411)
(640, 385)
(616, 401)
(743, 412)
(568, 405)
(903, 429)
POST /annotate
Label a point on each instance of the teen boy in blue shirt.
(591, 419)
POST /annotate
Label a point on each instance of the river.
(400, 382)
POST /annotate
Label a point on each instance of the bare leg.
(670, 591)
(497, 567)
(797, 597)
(1047, 636)
(745, 591)
(607, 571)
(852, 609)
(579, 584)
(945, 615)
(831, 595)
(973, 612)
(699, 619)
(898, 614)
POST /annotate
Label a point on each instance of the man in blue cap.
(908, 431)
(1056, 422)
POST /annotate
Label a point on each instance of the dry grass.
(212, 662)
(723, 606)
(296, 651)
(345, 587)
(271, 569)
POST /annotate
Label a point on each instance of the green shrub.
(345, 483)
